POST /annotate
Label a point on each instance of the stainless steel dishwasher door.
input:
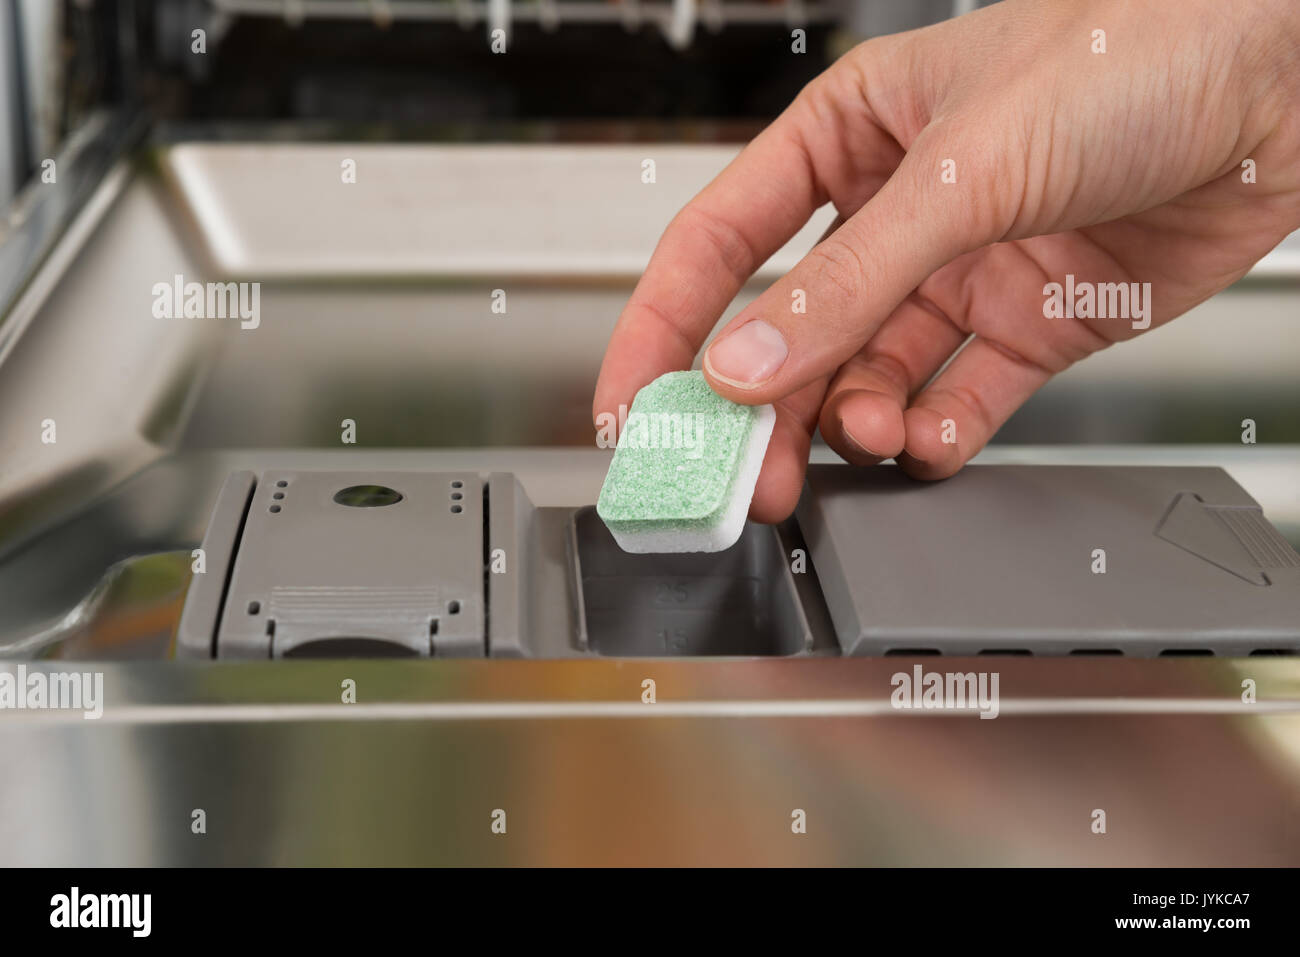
(582, 772)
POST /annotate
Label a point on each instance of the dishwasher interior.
(377, 461)
(225, 445)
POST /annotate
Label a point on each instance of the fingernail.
(853, 442)
(747, 357)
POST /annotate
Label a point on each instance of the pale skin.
(1123, 166)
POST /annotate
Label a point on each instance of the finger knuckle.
(837, 264)
(970, 402)
(727, 240)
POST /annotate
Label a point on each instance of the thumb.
(807, 324)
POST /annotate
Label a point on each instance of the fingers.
(708, 251)
(811, 321)
(956, 415)
(862, 418)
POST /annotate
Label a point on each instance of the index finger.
(709, 250)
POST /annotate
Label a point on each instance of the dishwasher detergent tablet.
(685, 468)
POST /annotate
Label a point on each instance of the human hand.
(973, 163)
